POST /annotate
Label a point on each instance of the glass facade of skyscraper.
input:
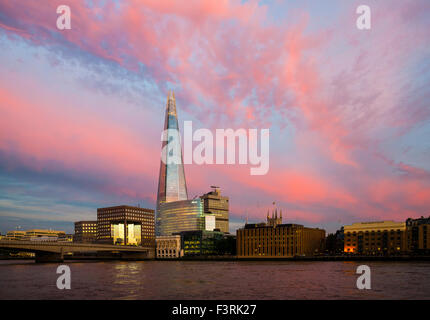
(174, 212)
(171, 181)
(178, 216)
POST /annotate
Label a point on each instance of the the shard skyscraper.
(171, 181)
(175, 213)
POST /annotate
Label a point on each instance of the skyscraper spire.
(171, 183)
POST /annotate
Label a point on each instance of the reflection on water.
(214, 280)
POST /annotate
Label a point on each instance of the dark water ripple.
(215, 280)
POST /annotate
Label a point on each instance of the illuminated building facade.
(36, 235)
(126, 225)
(178, 216)
(169, 247)
(375, 238)
(283, 240)
(218, 205)
(85, 231)
(15, 235)
(201, 242)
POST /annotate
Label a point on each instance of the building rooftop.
(126, 207)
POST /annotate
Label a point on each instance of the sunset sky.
(81, 110)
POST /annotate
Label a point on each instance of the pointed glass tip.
(170, 95)
(171, 103)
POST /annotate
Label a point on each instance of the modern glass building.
(201, 242)
(178, 216)
(174, 212)
(171, 182)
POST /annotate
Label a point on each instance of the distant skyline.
(82, 110)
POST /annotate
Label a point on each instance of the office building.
(418, 235)
(375, 238)
(169, 247)
(266, 240)
(15, 235)
(44, 235)
(200, 242)
(178, 216)
(171, 182)
(85, 232)
(218, 205)
(126, 225)
(36, 235)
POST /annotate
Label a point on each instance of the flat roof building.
(218, 205)
(15, 235)
(274, 239)
(375, 238)
(418, 235)
(126, 225)
(284, 240)
(35, 235)
(85, 232)
(201, 242)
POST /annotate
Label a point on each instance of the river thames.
(207, 280)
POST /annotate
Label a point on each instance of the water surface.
(215, 280)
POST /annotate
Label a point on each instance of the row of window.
(378, 231)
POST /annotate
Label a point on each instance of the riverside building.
(36, 235)
(126, 225)
(275, 240)
(216, 204)
(375, 238)
(201, 242)
(418, 235)
(85, 232)
(169, 247)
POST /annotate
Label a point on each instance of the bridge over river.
(52, 251)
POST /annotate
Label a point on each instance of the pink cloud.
(46, 132)
(235, 68)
